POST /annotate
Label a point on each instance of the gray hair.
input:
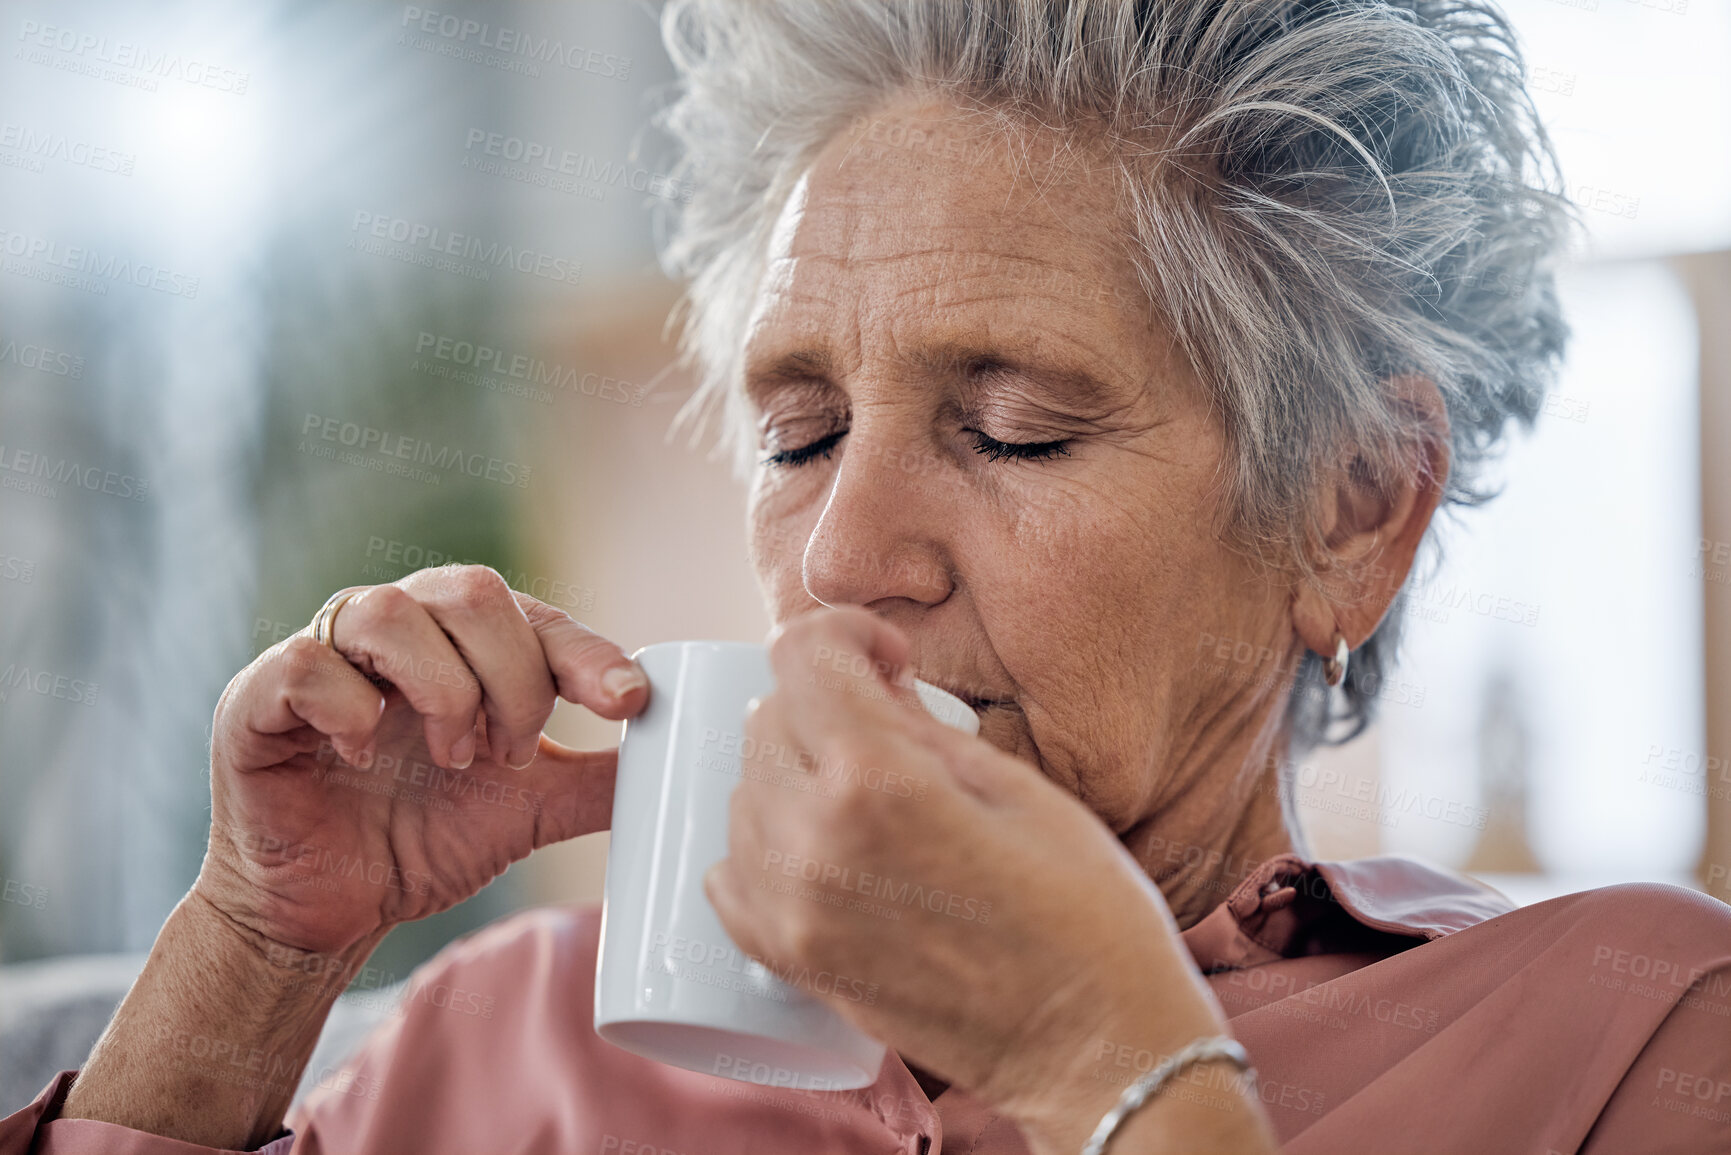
(1321, 195)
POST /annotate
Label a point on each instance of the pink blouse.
(1388, 1007)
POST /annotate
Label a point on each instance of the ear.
(1371, 530)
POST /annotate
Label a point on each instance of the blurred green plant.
(343, 347)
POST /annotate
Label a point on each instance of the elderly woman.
(1072, 347)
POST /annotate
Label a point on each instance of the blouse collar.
(1289, 907)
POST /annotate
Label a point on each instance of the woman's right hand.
(352, 788)
(395, 772)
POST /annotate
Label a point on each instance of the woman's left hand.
(970, 913)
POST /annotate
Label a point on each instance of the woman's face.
(931, 296)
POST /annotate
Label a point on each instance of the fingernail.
(621, 680)
(463, 752)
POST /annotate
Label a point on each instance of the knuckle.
(740, 808)
(384, 604)
(839, 748)
(300, 647)
(802, 937)
(531, 714)
(435, 687)
(477, 585)
(855, 813)
(591, 652)
(541, 613)
(300, 660)
(459, 700)
(855, 804)
(793, 640)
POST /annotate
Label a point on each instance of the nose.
(881, 534)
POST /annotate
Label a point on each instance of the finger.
(767, 749)
(844, 648)
(588, 669)
(299, 683)
(751, 806)
(777, 818)
(383, 630)
(844, 694)
(477, 611)
(730, 895)
(572, 788)
(846, 672)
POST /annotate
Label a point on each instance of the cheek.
(1104, 585)
(1066, 592)
(779, 522)
(1093, 554)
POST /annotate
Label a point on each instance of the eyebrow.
(800, 367)
(815, 367)
(1065, 384)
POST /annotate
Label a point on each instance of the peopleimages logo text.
(45, 145)
(522, 367)
(90, 263)
(432, 239)
(56, 471)
(365, 438)
(581, 166)
(41, 358)
(125, 54)
(514, 42)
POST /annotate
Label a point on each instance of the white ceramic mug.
(669, 984)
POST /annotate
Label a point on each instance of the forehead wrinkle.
(797, 290)
(940, 198)
(831, 234)
(1050, 166)
(803, 321)
(841, 233)
(957, 266)
(963, 294)
(957, 239)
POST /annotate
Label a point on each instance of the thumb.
(587, 668)
(570, 790)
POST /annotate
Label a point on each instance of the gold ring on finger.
(325, 620)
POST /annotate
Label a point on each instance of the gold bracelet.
(1145, 1088)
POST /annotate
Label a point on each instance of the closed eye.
(989, 447)
(995, 450)
(819, 449)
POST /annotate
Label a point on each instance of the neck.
(1225, 818)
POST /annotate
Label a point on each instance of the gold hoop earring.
(1334, 669)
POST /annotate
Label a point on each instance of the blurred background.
(244, 247)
